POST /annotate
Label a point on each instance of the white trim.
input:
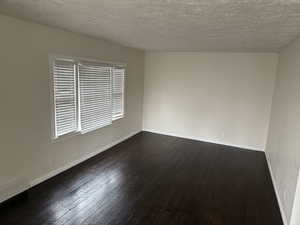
(283, 216)
(114, 118)
(76, 58)
(203, 140)
(52, 102)
(55, 172)
(78, 113)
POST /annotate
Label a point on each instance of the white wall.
(217, 97)
(283, 148)
(26, 152)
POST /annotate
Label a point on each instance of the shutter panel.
(64, 80)
(95, 96)
(118, 92)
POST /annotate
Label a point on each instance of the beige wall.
(26, 152)
(284, 136)
(217, 97)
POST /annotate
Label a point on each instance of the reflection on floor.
(153, 179)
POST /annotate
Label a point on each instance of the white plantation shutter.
(87, 95)
(64, 81)
(118, 92)
(95, 96)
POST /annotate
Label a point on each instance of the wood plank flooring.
(153, 179)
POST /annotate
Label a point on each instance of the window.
(64, 97)
(118, 92)
(87, 95)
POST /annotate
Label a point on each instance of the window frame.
(77, 61)
(114, 118)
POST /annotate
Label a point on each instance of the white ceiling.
(174, 25)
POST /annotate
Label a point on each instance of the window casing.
(118, 92)
(86, 95)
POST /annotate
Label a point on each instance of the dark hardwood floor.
(152, 179)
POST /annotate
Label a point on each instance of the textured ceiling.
(174, 25)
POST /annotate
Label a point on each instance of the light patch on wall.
(295, 220)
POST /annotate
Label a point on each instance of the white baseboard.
(283, 216)
(62, 169)
(204, 140)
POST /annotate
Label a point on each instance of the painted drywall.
(216, 97)
(26, 150)
(182, 25)
(284, 136)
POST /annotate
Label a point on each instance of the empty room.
(150, 112)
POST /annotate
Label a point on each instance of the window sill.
(69, 135)
(117, 117)
(64, 137)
